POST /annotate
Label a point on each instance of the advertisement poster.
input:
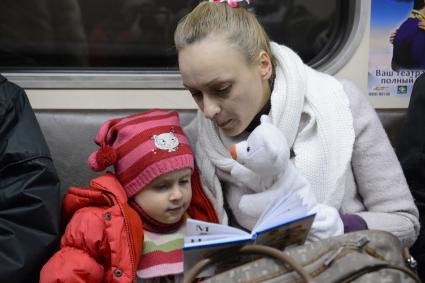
(397, 46)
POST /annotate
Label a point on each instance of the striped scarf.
(162, 254)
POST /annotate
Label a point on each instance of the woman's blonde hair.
(239, 26)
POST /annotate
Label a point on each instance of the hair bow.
(231, 3)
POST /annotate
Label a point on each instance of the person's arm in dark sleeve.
(411, 144)
(410, 150)
(29, 190)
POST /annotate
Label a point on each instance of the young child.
(128, 224)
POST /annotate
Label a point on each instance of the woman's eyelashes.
(223, 90)
(217, 91)
(196, 94)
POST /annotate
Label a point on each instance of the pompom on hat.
(142, 147)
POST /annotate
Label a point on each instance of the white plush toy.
(263, 165)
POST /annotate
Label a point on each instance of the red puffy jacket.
(103, 241)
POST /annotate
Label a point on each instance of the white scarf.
(322, 147)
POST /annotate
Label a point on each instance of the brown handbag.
(363, 256)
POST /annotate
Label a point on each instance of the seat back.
(70, 135)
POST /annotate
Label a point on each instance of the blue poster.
(397, 46)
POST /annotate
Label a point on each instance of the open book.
(284, 222)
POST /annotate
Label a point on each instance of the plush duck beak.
(233, 151)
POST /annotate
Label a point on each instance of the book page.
(200, 232)
(290, 233)
(285, 209)
(203, 240)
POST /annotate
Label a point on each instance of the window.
(55, 43)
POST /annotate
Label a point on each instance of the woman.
(235, 75)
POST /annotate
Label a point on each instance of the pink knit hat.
(142, 147)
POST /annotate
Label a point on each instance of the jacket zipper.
(131, 243)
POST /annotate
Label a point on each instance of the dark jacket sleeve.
(29, 190)
(411, 153)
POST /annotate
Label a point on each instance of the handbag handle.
(251, 249)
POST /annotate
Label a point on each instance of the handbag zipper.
(350, 245)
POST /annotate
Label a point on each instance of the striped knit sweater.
(162, 257)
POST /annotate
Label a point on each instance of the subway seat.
(70, 135)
